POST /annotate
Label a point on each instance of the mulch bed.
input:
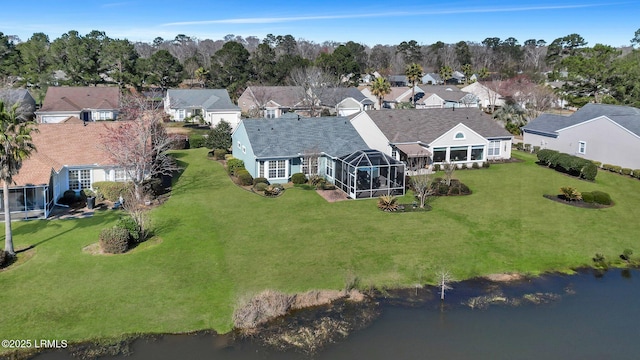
(576, 203)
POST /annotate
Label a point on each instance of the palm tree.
(16, 145)
(414, 73)
(512, 116)
(380, 88)
(446, 72)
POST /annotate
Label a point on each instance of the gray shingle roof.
(285, 137)
(209, 99)
(400, 126)
(625, 116)
(286, 96)
(332, 96)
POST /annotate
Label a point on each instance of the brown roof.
(413, 125)
(79, 98)
(63, 144)
(285, 96)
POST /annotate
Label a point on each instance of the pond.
(584, 316)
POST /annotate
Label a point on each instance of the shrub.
(129, 224)
(570, 193)
(321, 184)
(114, 240)
(234, 165)
(486, 164)
(475, 165)
(606, 166)
(587, 197)
(636, 173)
(615, 169)
(244, 177)
(600, 261)
(544, 155)
(153, 187)
(196, 141)
(536, 149)
(260, 180)
(228, 156)
(626, 171)
(600, 197)
(298, 178)
(68, 197)
(112, 190)
(219, 154)
(315, 179)
(589, 171)
(329, 186)
(387, 203)
(597, 163)
(527, 147)
(260, 186)
(273, 190)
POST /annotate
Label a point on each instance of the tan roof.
(63, 144)
(81, 97)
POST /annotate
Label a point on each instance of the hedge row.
(569, 164)
(597, 197)
(112, 190)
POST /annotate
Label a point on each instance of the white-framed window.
(104, 115)
(309, 165)
(270, 113)
(459, 136)
(494, 148)
(120, 175)
(277, 169)
(394, 153)
(329, 169)
(181, 114)
(261, 169)
(79, 179)
(582, 147)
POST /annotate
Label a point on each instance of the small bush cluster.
(244, 178)
(636, 173)
(273, 190)
(440, 188)
(196, 141)
(68, 197)
(569, 164)
(129, 224)
(114, 240)
(233, 165)
(298, 178)
(570, 193)
(597, 197)
(260, 186)
(112, 190)
(260, 180)
(219, 154)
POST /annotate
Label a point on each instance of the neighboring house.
(344, 101)
(609, 134)
(212, 105)
(488, 98)
(22, 97)
(68, 156)
(330, 147)
(445, 97)
(272, 101)
(396, 96)
(398, 80)
(462, 136)
(432, 79)
(87, 103)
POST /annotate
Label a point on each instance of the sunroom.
(369, 173)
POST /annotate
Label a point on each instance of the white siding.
(370, 133)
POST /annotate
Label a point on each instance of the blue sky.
(369, 22)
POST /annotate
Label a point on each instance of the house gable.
(459, 135)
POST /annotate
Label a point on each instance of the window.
(394, 153)
(270, 113)
(459, 136)
(329, 169)
(277, 169)
(105, 115)
(120, 175)
(181, 114)
(261, 169)
(458, 153)
(79, 179)
(477, 152)
(494, 148)
(439, 155)
(582, 147)
(310, 165)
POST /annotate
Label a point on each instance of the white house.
(212, 105)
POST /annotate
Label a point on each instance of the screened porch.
(369, 173)
(28, 202)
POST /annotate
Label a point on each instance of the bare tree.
(314, 83)
(449, 168)
(420, 180)
(140, 148)
(444, 279)
(310, 161)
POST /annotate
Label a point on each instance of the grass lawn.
(220, 244)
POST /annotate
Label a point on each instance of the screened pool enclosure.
(369, 173)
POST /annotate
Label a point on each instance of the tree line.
(601, 72)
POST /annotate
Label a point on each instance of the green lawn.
(221, 244)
